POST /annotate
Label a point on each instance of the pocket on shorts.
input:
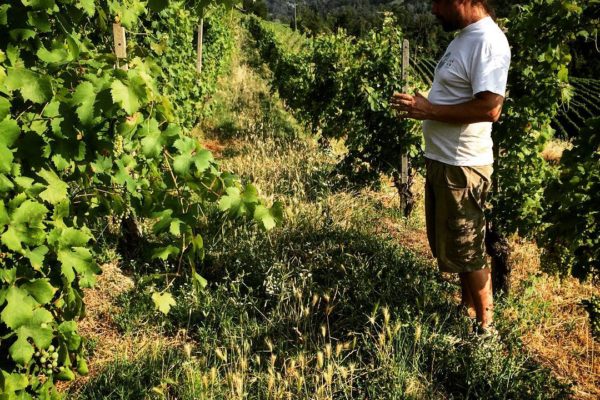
(456, 177)
(462, 241)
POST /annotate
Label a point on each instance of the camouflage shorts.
(454, 211)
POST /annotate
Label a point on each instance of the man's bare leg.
(479, 285)
(466, 298)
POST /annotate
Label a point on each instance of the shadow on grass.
(293, 286)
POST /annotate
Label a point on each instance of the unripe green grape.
(55, 355)
(51, 348)
(43, 360)
(55, 364)
(37, 353)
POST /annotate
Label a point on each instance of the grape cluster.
(592, 306)
(48, 360)
(118, 145)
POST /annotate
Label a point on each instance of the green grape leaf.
(60, 162)
(269, 217)
(33, 86)
(71, 237)
(202, 160)
(4, 218)
(87, 6)
(30, 213)
(175, 228)
(3, 14)
(6, 159)
(128, 11)
(13, 382)
(164, 222)
(152, 145)
(22, 35)
(11, 239)
(38, 328)
(128, 97)
(79, 259)
(4, 108)
(55, 56)
(40, 21)
(152, 142)
(24, 182)
(102, 165)
(19, 308)
(68, 330)
(250, 194)
(84, 97)
(231, 201)
(21, 351)
(185, 145)
(56, 191)
(10, 131)
(5, 184)
(61, 211)
(36, 257)
(181, 163)
(164, 252)
(200, 280)
(40, 289)
(163, 301)
(39, 4)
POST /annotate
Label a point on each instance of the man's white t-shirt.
(477, 60)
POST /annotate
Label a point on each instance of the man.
(465, 99)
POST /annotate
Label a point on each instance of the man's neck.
(472, 15)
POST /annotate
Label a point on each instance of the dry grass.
(561, 339)
(554, 149)
(100, 330)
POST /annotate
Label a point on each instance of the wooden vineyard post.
(200, 38)
(120, 42)
(406, 200)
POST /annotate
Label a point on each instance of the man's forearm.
(465, 113)
(485, 107)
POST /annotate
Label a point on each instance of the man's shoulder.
(491, 39)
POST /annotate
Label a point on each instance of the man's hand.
(485, 107)
(416, 107)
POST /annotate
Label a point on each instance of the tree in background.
(256, 7)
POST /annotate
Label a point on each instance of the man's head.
(456, 14)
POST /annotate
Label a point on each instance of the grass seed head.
(386, 315)
(315, 299)
(319, 359)
(328, 350)
(222, 355)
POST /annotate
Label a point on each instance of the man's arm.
(485, 107)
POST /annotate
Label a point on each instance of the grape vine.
(340, 87)
(80, 140)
